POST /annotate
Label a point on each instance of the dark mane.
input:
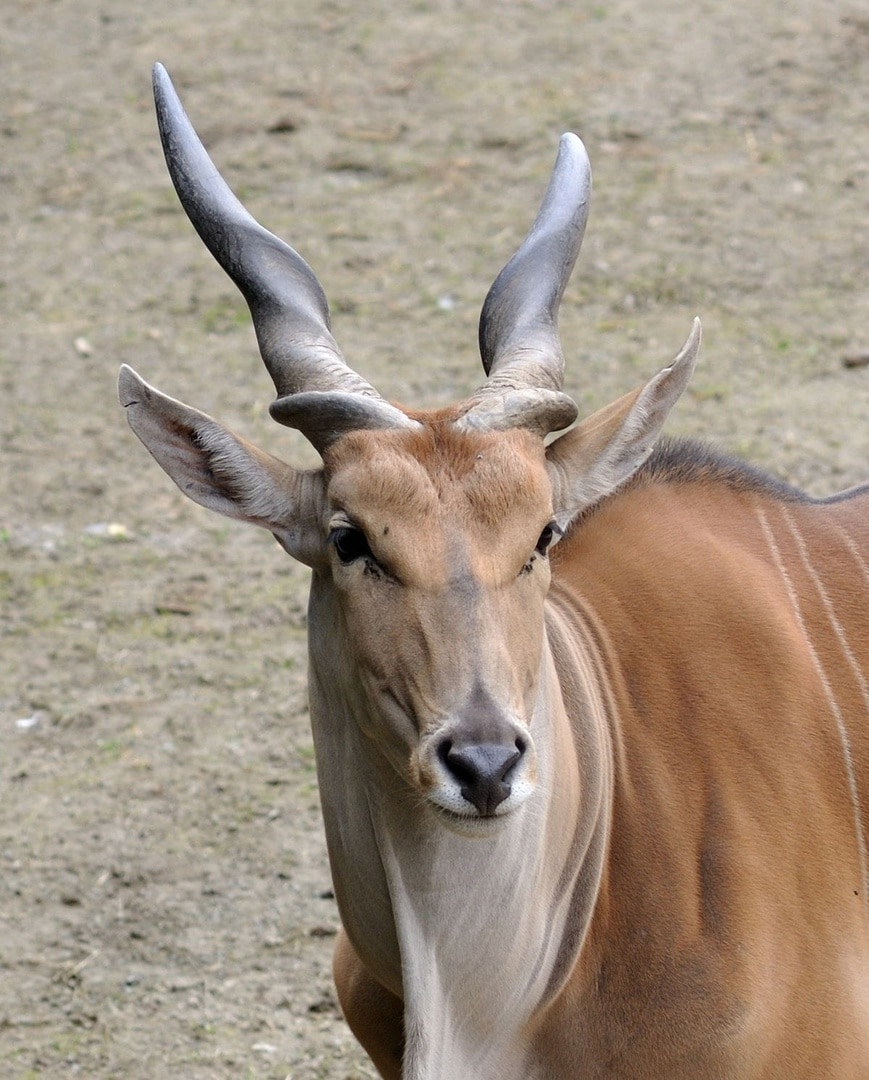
(687, 461)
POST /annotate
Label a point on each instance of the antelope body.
(591, 714)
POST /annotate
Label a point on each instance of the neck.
(474, 935)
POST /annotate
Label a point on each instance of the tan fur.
(677, 886)
(729, 935)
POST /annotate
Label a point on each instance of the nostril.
(521, 747)
(461, 764)
(445, 751)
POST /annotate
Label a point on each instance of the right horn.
(519, 341)
(317, 391)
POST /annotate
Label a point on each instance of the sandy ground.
(165, 905)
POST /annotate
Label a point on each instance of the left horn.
(287, 303)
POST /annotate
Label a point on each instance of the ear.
(596, 457)
(225, 473)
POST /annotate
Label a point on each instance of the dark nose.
(482, 770)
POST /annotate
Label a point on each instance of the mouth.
(470, 825)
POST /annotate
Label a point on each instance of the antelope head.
(428, 533)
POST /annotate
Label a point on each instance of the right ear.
(225, 473)
(596, 457)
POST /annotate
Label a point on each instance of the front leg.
(375, 1014)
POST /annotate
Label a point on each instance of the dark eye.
(544, 542)
(350, 544)
(546, 538)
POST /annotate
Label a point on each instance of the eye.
(544, 542)
(350, 544)
(546, 537)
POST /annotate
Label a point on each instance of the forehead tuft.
(485, 476)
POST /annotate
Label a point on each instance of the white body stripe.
(844, 737)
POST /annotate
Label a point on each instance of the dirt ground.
(165, 905)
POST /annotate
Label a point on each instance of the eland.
(590, 709)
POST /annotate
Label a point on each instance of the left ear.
(593, 459)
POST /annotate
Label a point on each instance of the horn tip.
(159, 75)
(572, 148)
